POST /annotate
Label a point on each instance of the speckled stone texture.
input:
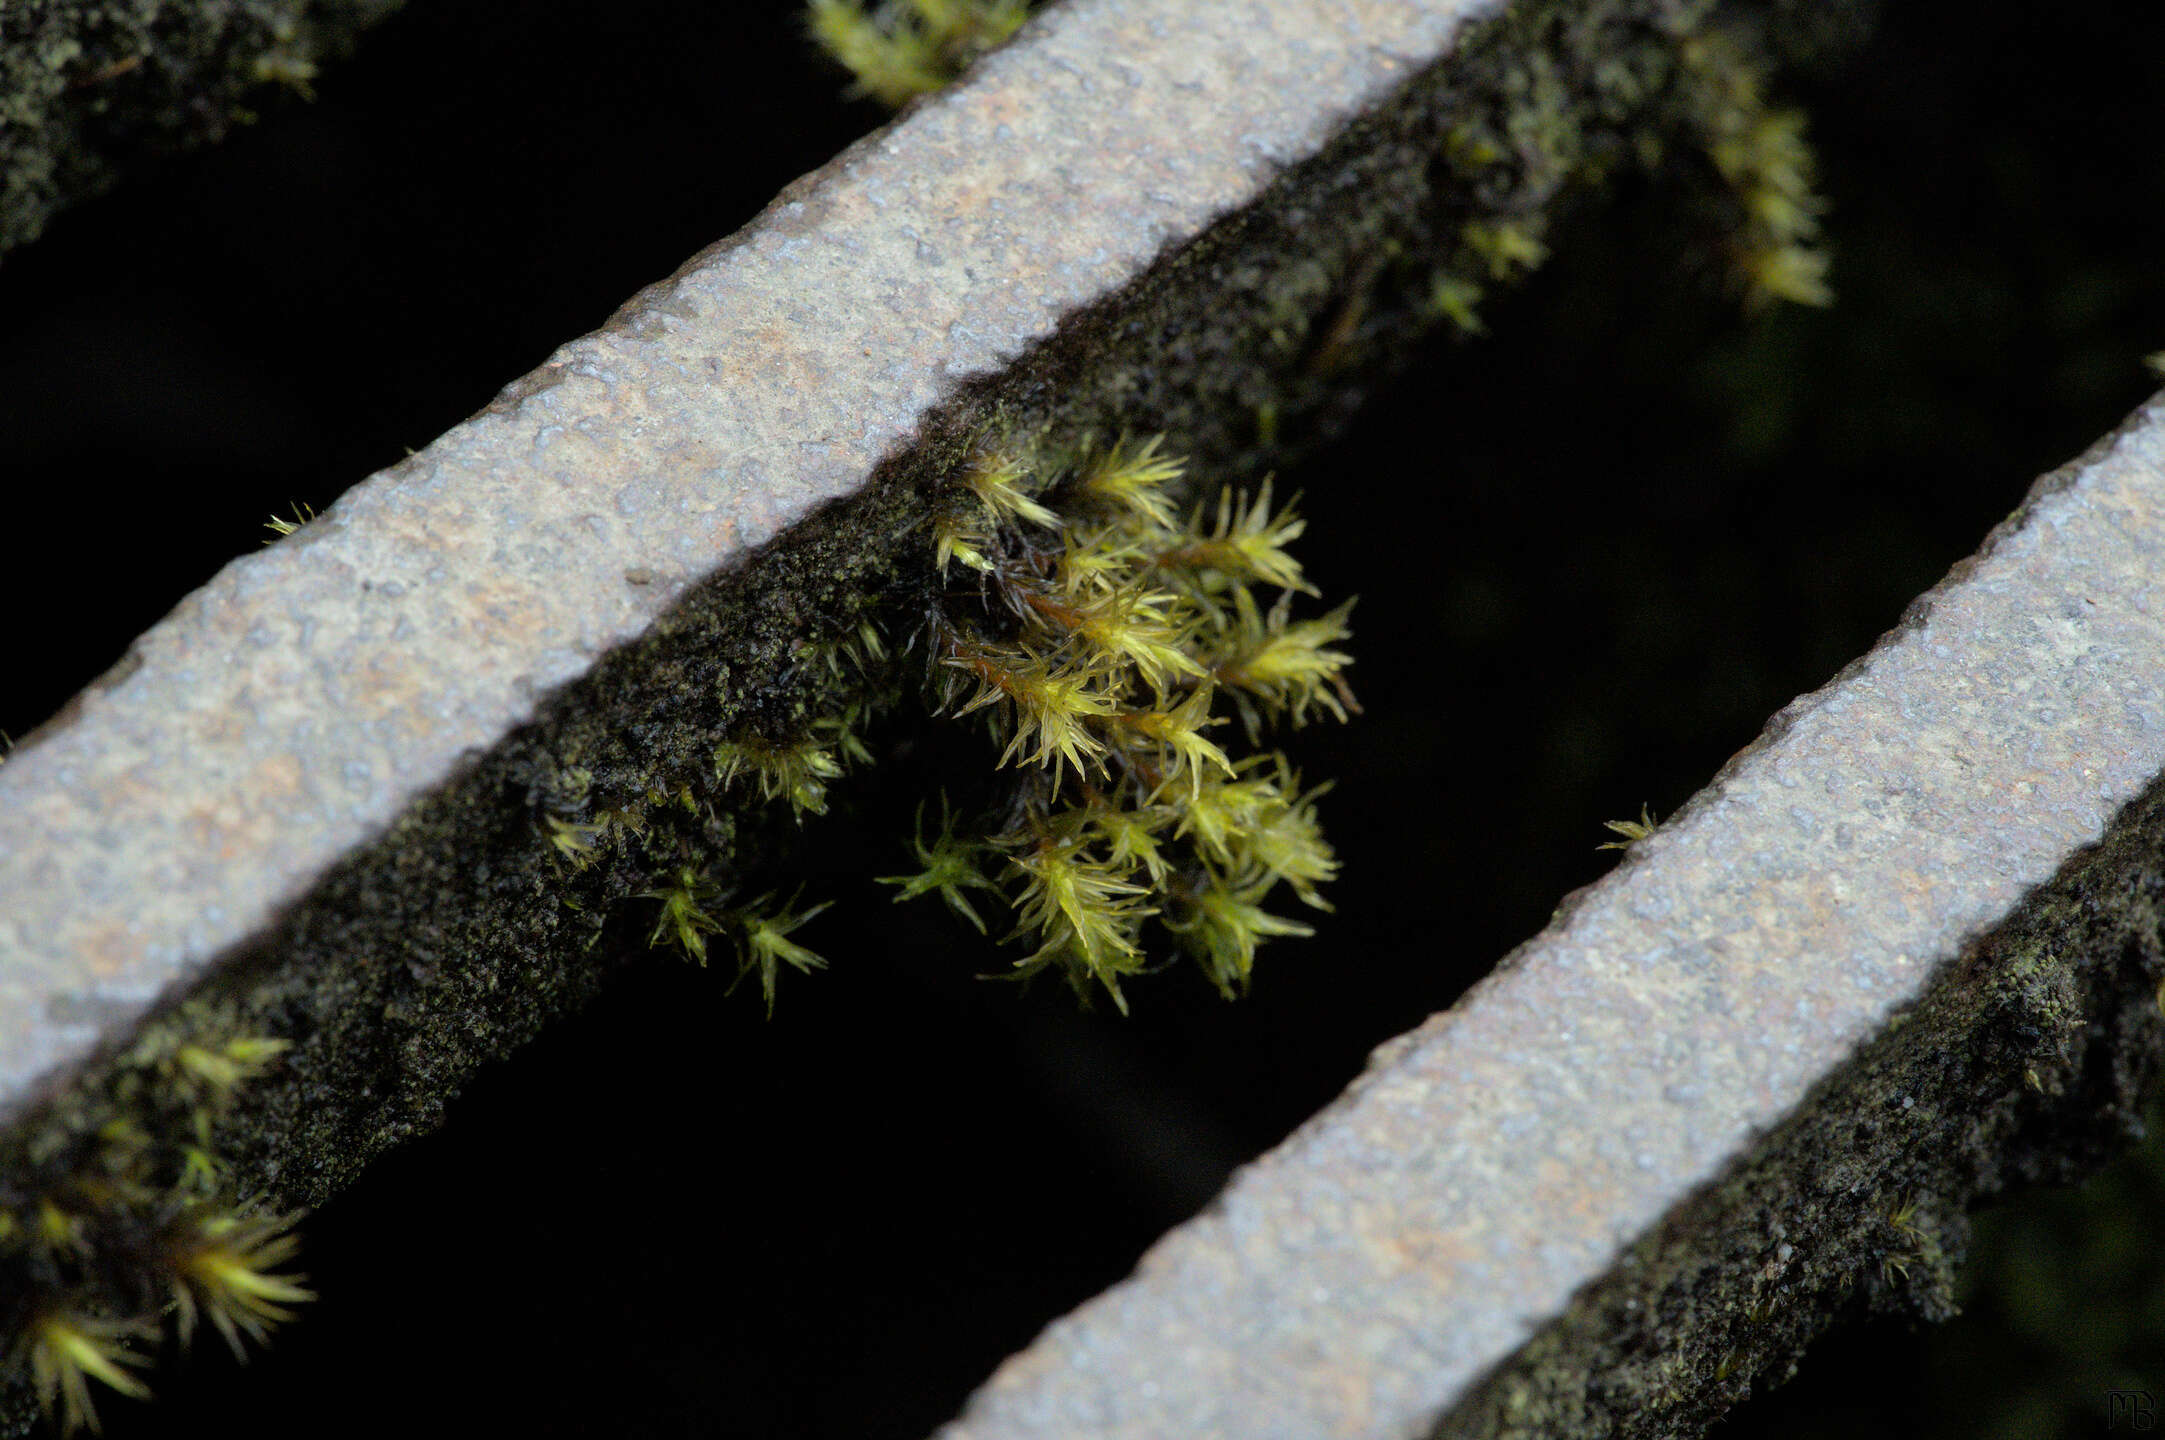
(1363, 1279)
(287, 712)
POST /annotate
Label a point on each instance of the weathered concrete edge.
(451, 941)
(1768, 990)
(92, 87)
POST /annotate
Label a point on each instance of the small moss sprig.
(227, 1268)
(1761, 155)
(1099, 635)
(67, 1351)
(946, 866)
(1629, 832)
(898, 50)
(1713, 107)
(762, 932)
(136, 1220)
(693, 907)
(797, 771)
(280, 527)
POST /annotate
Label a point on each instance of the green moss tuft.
(1092, 638)
(898, 50)
(138, 1219)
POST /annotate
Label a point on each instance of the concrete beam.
(1905, 949)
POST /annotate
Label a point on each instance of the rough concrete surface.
(289, 710)
(1848, 872)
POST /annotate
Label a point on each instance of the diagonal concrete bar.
(1902, 951)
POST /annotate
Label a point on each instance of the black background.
(1593, 552)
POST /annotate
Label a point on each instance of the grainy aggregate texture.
(1902, 950)
(88, 87)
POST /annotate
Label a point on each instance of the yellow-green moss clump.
(1105, 644)
(900, 49)
(1762, 158)
(1102, 638)
(138, 1226)
(1702, 115)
